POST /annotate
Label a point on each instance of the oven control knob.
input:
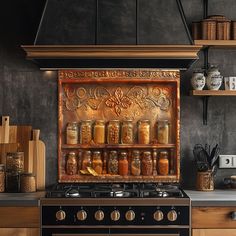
(172, 215)
(115, 215)
(158, 215)
(130, 215)
(81, 215)
(60, 215)
(99, 215)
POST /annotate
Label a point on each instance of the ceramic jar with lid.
(214, 78)
(198, 79)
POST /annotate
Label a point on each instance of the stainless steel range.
(116, 210)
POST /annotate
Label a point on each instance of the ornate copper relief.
(117, 100)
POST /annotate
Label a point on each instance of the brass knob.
(81, 215)
(158, 215)
(130, 215)
(172, 215)
(99, 215)
(115, 215)
(60, 215)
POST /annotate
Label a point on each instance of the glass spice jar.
(135, 163)
(99, 132)
(71, 164)
(163, 163)
(27, 183)
(72, 133)
(113, 132)
(144, 132)
(86, 160)
(163, 131)
(127, 132)
(123, 164)
(15, 162)
(86, 132)
(113, 163)
(2, 178)
(97, 162)
(147, 165)
(12, 182)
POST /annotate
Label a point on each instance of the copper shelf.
(213, 93)
(118, 146)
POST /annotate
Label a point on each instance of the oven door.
(118, 231)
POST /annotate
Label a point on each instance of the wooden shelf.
(216, 43)
(213, 93)
(118, 146)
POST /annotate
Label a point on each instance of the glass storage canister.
(144, 132)
(163, 131)
(71, 164)
(86, 132)
(2, 178)
(86, 160)
(147, 164)
(99, 132)
(123, 164)
(97, 162)
(113, 163)
(113, 132)
(15, 161)
(127, 132)
(135, 163)
(12, 182)
(72, 133)
(163, 163)
(27, 183)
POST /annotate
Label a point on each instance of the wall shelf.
(226, 44)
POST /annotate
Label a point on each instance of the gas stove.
(107, 209)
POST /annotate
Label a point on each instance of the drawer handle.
(233, 215)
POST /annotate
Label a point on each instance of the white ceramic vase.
(198, 80)
(214, 79)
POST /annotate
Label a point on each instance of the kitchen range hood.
(113, 34)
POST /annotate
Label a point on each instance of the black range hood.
(113, 34)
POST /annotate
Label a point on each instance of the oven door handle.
(162, 234)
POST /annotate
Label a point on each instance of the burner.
(72, 193)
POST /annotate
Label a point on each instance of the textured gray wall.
(29, 95)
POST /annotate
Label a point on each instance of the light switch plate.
(227, 161)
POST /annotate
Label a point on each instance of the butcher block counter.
(213, 213)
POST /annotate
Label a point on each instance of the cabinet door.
(214, 232)
(19, 231)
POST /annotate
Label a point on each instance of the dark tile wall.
(29, 95)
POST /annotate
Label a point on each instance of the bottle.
(113, 132)
(97, 162)
(113, 163)
(72, 133)
(163, 131)
(86, 160)
(135, 163)
(71, 164)
(86, 132)
(127, 132)
(123, 164)
(2, 178)
(99, 132)
(147, 165)
(163, 163)
(144, 132)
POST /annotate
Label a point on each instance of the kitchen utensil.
(4, 130)
(37, 159)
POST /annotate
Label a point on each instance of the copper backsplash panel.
(119, 94)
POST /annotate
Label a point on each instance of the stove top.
(130, 190)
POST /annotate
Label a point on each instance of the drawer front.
(25, 217)
(214, 232)
(213, 217)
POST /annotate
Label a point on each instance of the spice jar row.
(122, 163)
(115, 132)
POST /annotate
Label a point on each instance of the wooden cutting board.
(5, 148)
(4, 130)
(37, 154)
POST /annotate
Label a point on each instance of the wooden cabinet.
(19, 221)
(213, 221)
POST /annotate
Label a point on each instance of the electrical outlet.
(227, 161)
